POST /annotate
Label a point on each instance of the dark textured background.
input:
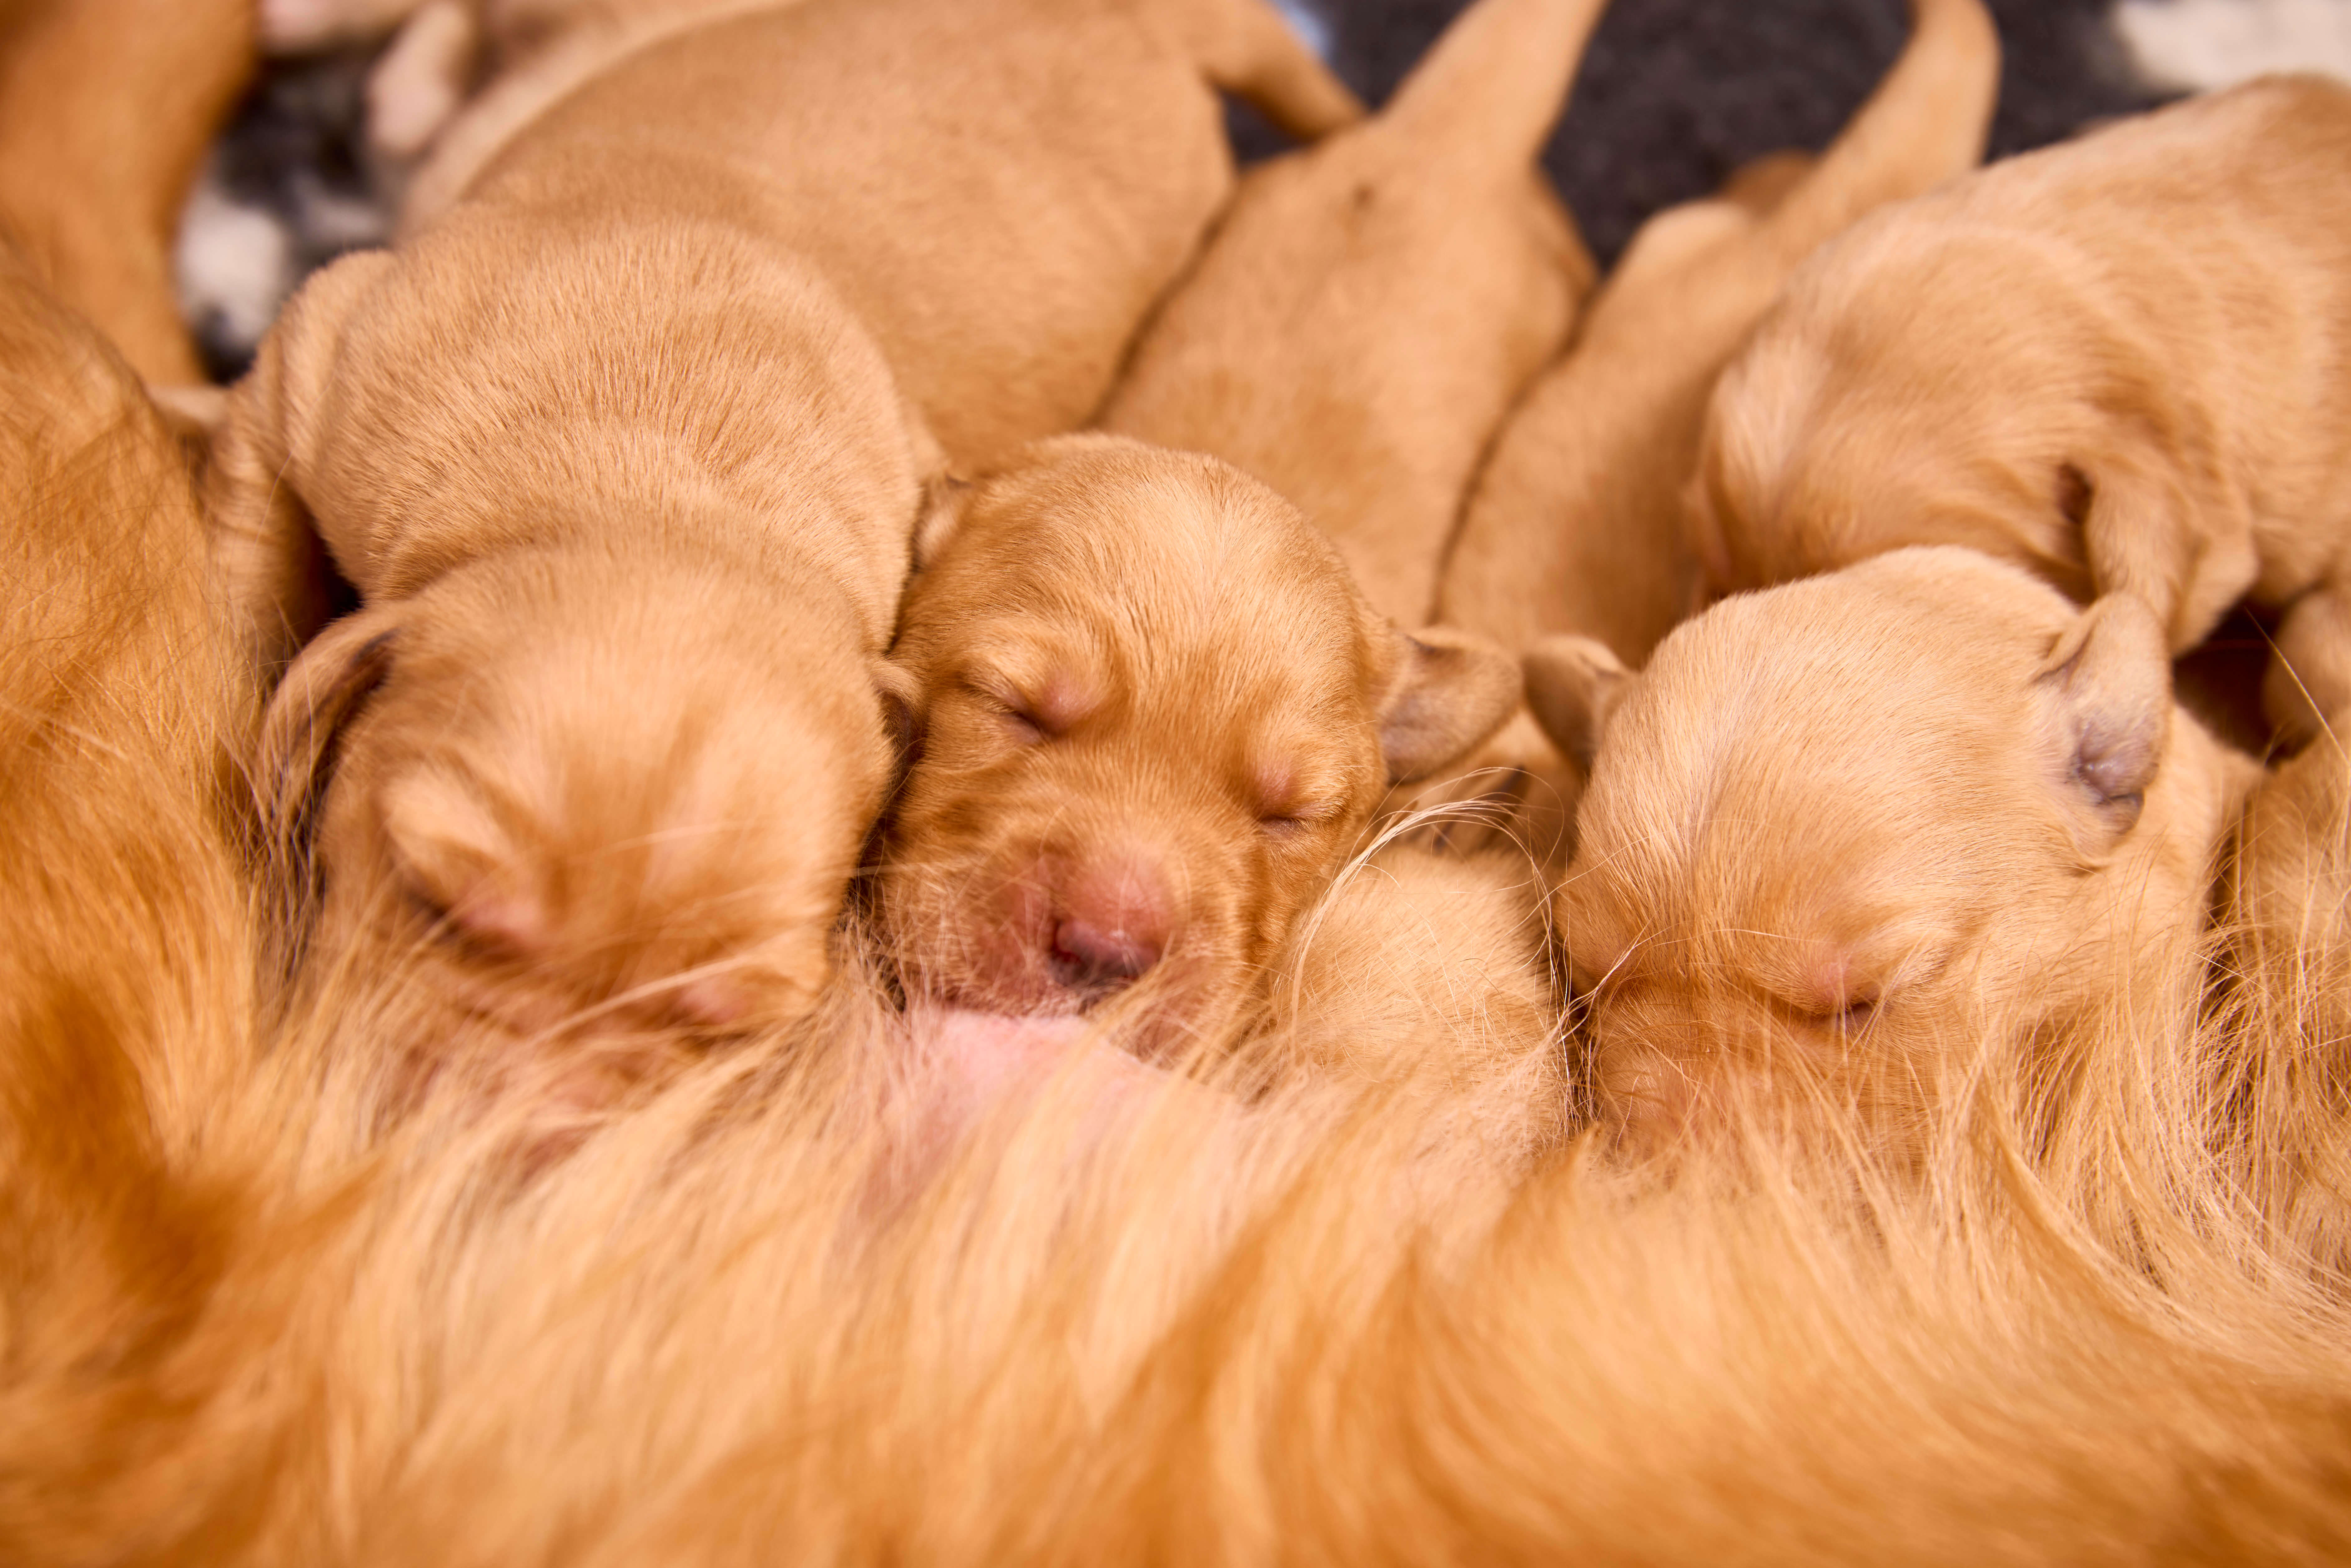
(1676, 93)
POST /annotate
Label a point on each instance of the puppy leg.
(418, 85)
(1245, 48)
(2311, 677)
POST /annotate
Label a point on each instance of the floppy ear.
(2108, 685)
(265, 551)
(2159, 523)
(1573, 685)
(945, 498)
(1449, 691)
(902, 706)
(293, 762)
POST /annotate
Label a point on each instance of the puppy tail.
(1926, 123)
(1246, 48)
(1487, 93)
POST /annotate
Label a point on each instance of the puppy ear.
(1449, 691)
(294, 760)
(258, 469)
(945, 498)
(2108, 682)
(902, 704)
(1573, 685)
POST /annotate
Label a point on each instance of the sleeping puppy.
(1846, 837)
(1573, 525)
(627, 493)
(1003, 268)
(1369, 307)
(1155, 719)
(2130, 378)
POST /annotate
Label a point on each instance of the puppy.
(1155, 718)
(106, 110)
(1847, 837)
(1003, 270)
(626, 491)
(1369, 307)
(2127, 380)
(1572, 525)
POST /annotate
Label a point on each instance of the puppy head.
(1154, 715)
(1834, 825)
(1854, 422)
(575, 802)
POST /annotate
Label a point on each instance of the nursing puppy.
(1573, 525)
(1155, 718)
(626, 491)
(106, 110)
(1369, 307)
(1849, 839)
(2129, 379)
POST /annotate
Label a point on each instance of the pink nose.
(1092, 957)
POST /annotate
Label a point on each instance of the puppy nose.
(1089, 956)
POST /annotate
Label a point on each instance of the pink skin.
(1071, 929)
(960, 1065)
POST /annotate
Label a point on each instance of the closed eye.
(1292, 821)
(1020, 722)
(1850, 1019)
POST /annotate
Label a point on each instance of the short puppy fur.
(2130, 378)
(1003, 268)
(1369, 307)
(1156, 715)
(1844, 835)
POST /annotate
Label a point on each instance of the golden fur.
(2131, 380)
(780, 1308)
(1369, 307)
(1003, 272)
(106, 110)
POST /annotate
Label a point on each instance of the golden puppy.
(106, 110)
(1846, 837)
(1572, 525)
(1003, 268)
(627, 493)
(2111, 360)
(1370, 306)
(1156, 715)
